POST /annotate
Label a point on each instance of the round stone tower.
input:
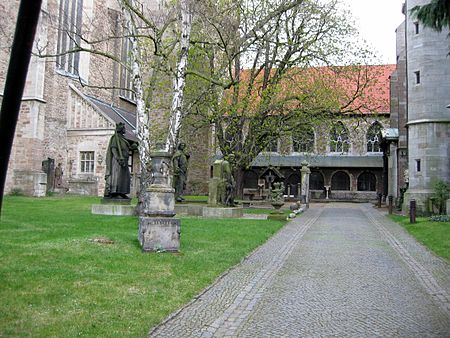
(428, 115)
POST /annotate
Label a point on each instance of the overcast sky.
(377, 21)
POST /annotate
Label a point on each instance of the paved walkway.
(339, 270)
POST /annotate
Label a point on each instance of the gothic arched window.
(373, 138)
(339, 139)
(367, 182)
(303, 140)
(340, 181)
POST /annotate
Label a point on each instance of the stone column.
(158, 230)
(305, 171)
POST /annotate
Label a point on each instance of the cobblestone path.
(339, 270)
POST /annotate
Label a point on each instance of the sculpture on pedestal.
(117, 175)
(180, 166)
(230, 184)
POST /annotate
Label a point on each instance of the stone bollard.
(391, 200)
(379, 200)
(412, 211)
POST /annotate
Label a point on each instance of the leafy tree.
(441, 193)
(435, 15)
(275, 65)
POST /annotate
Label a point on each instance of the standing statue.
(230, 184)
(57, 182)
(180, 162)
(117, 174)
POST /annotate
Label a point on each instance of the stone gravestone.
(305, 172)
(217, 185)
(218, 194)
(158, 230)
(48, 167)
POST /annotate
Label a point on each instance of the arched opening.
(291, 185)
(340, 181)
(316, 181)
(367, 181)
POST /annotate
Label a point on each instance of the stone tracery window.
(69, 32)
(126, 76)
(339, 139)
(373, 138)
(303, 140)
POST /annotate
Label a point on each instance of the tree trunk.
(142, 120)
(180, 79)
(239, 179)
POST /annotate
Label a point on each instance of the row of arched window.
(303, 139)
(341, 181)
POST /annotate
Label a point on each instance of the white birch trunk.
(142, 117)
(180, 78)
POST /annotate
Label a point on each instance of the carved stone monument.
(221, 193)
(217, 185)
(48, 167)
(180, 166)
(158, 230)
(305, 172)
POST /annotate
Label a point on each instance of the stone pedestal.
(158, 231)
(160, 234)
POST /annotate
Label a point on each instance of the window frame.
(375, 140)
(70, 16)
(336, 139)
(87, 162)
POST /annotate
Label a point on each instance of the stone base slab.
(159, 234)
(113, 209)
(116, 201)
(189, 209)
(222, 212)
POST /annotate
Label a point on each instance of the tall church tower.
(428, 115)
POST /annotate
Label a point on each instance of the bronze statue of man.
(180, 162)
(230, 184)
(117, 174)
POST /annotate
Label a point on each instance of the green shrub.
(440, 218)
(441, 194)
(16, 192)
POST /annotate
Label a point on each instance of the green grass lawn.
(434, 235)
(56, 281)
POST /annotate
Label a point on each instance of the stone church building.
(66, 114)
